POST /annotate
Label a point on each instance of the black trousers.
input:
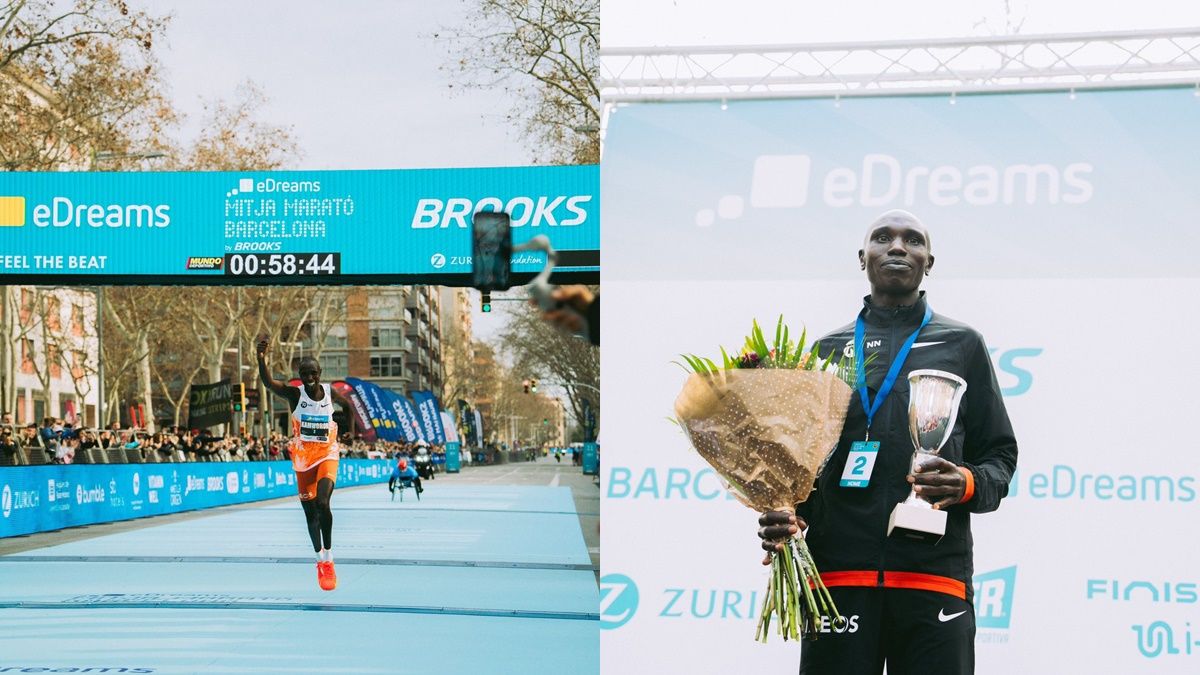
(912, 631)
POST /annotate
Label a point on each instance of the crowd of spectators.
(56, 441)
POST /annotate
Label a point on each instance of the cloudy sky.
(360, 83)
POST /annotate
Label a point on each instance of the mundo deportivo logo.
(618, 600)
(994, 603)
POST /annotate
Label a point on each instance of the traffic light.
(545, 421)
(486, 303)
(533, 386)
(239, 400)
(525, 384)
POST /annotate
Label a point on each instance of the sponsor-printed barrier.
(41, 498)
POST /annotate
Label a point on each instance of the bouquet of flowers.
(766, 421)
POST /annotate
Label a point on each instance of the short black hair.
(309, 359)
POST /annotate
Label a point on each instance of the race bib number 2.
(859, 464)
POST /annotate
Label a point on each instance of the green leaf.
(729, 363)
(778, 335)
(760, 344)
(803, 338)
(828, 359)
(712, 366)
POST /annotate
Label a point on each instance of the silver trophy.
(933, 399)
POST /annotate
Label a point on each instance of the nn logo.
(618, 600)
(994, 597)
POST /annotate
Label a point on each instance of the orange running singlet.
(314, 433)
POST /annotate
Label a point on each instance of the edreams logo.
(12, 211)
(522, 211)
(62, 212)
(231, 482)
(73, 669)
(618, 600)
(880, 180)
(1065, 482)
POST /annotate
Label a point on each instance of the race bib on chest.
(859, 464)
(314, 427)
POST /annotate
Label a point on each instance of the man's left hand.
(939, 482)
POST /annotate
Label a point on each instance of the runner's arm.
(292, 394)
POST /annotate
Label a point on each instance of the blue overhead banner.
(41, 498)
(309, 227)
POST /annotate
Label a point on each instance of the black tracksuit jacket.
(848, 526)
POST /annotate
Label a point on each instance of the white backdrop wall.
(1084, 286)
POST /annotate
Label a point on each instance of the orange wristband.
(970, 491)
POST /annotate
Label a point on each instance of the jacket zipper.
(886, 438)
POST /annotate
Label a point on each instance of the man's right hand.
(262, 349)
(775, 528)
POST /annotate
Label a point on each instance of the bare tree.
(1012, 22)
(173, 363)
(40, 32)
(538, 350)
(136, 313)
(547, 51)
(236, 139)
(78, 84)
(462, 370)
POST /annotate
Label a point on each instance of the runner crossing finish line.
(314, 451)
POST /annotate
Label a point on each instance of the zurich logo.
(137, 483)
(438, 261)
(6, 501)
(618, 600)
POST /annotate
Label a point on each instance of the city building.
(49, 354)
(390, 335)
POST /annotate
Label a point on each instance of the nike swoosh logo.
(918, 345)
(943, 617)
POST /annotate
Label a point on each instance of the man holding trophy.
(926, 443)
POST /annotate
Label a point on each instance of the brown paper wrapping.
(765, 431)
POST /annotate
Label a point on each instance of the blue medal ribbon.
(869, 407)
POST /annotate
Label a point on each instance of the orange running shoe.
(326, 576)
